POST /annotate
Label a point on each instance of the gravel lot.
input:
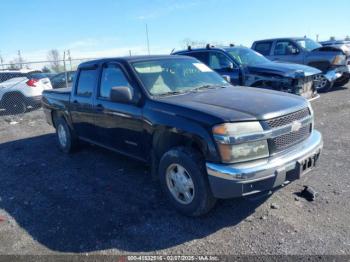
(95, 201)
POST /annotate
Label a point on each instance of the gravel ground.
(95, 201)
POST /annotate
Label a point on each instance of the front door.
(118, 126)
(287, 51)
(225, 67)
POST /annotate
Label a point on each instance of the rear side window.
(201, 56)
(87, 81)
(263, 48)
(112, 76)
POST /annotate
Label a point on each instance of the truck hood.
(283, 69)
(232, 104)
(330, 49)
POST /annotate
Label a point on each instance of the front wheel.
(322, 84)
(184, 180)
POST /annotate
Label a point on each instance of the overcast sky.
(113, 27)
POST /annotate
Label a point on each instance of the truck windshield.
(246, 56)
(308, 44)
(174, 76)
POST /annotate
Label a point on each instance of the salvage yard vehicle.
(245, 67)
(203, 138)
(64, 79)
(22, 89)
(330, 60)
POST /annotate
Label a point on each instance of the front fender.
(162, 121)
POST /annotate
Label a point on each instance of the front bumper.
(236, 180)
(336, 73)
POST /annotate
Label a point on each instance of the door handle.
(99, 107)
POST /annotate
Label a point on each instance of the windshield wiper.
(173, 93)
(208, 87)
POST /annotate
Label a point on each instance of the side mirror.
(121, 94)
(227, 78)
(229, 66)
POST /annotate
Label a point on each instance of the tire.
(15, 104)
(201, 200)
(324, 85)
(66, 139)
(341, 82)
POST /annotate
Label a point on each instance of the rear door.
(81, 103)
(263, 48)
(287, 51)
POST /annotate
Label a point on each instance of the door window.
(285, 48)
(87, 81)
(112, 76)
(219, 61)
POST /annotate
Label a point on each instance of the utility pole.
(2, 62)
(147, 40)
(317, 37)
(64, 66)
(70, 59)
(20, 60)
(129, 52)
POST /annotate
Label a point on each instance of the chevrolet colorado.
(203, 138)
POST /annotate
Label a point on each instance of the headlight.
(233, 147)
(339, 60)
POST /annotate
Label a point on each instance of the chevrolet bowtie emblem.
(296, 125)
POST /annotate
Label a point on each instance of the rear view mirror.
(121, 94)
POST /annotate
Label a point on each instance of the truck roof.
(130, 59)
(280, 38)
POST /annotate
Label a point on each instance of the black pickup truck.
(203, 138)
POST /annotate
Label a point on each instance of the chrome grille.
(288, 119)
(284, 141)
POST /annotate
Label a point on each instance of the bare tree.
(54, 57)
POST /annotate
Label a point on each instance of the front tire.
(184, 180)
(67, 141)
(342, 81)
(323, 84)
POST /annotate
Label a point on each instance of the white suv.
(21, 89)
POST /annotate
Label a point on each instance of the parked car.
(331, 61)
(342, 44)
(203, 138)
(245, 67)
(59, 80)
(345, 47)
(21, 89)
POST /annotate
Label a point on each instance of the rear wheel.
(67, 141)
(15, 104)
(322, 84)
(184, 180)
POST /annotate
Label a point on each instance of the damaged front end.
(298, 84)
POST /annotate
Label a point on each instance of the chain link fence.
(22, 84)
